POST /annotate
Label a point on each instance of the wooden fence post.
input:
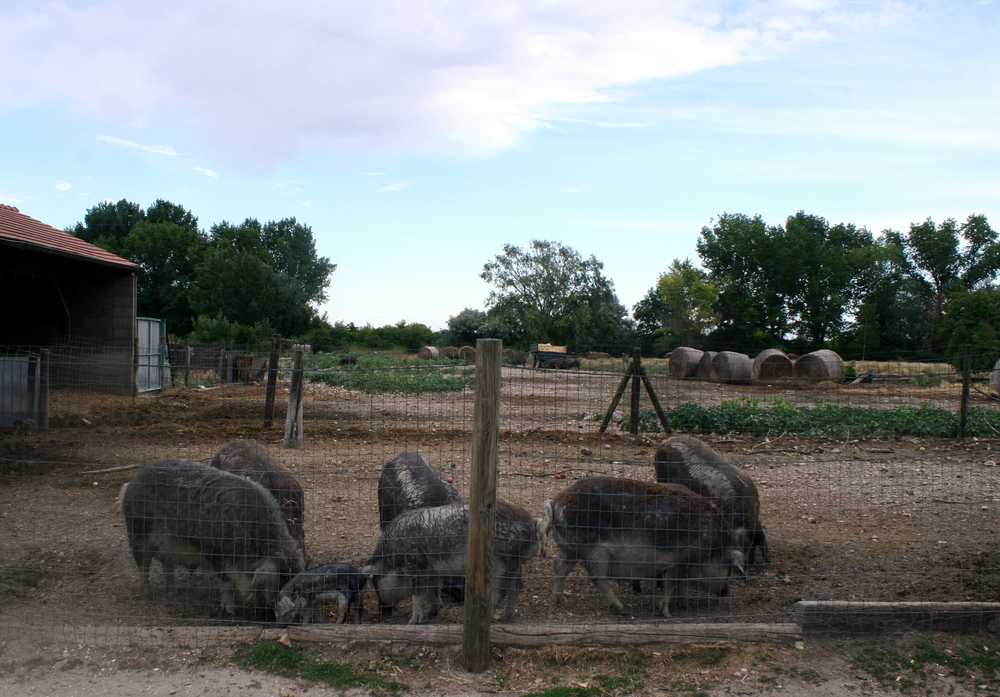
(293, 420)
(187, 364)
(135, 367)
(272, 379)
(963, 409)
(482, 506)
(633, 424)
(43, 395)
(222, 362)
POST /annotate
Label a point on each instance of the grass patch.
(377, 373)
(305, 664)
(775, 416)
(703, 656)
(971, 664)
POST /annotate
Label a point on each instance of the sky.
(417, 137)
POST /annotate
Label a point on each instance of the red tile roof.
(18, 230)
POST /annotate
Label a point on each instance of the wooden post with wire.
(636, 373)
(482, 506)
(293, 420)
(272, 379)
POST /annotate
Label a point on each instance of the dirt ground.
(875, 519)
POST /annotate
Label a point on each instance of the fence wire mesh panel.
(856, 501)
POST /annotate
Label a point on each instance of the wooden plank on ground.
(539, 635)
(860, 617)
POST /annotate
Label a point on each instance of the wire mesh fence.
(863, 513)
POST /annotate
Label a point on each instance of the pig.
(518, 359)
(692, 463)
(628, 529)
(348, 360)
(252, 460)
(184, 513)
(304, 595)
(409, 482)
(422, 547)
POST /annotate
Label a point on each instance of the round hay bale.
(684, 362)
(792, 357)
(705, 365)
(427, 353)
(449, 352)
(467, 354)
(772, 363)
(819, 365)
(730, 366)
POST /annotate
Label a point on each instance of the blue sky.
(417, 137)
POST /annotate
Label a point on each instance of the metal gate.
(151, 371)
(19, 391)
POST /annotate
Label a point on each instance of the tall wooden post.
(187, 364)
(223, 378)
(272, 378)
(963, 409)
(633, 424)
(482, 506)
(135, 367)
(293, 420)
(43, 396)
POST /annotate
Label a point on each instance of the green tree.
(801, 281)
(819, 272)
(467, 326)
(648, 315)
(292, 250)
(739, 252)
(253, 273)
(891, 317)
(248, 275)
(689, 300)
(973, 318)
(168, 254)
(108, 224)
(948, 258)
(550, 293)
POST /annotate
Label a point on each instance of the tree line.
(801, 285)
(238, 281)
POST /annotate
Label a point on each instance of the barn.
(72, 299)
(59, 286)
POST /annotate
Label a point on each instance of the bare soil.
(876, 519)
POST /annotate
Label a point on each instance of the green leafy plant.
(772, 417)
(379, 373)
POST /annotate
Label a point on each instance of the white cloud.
(206, 172)
(63, 186)
(269, 80)
(10, 201)
(158, 149)
(399, 186)
(305, 204)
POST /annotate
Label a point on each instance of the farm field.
(849, 519)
